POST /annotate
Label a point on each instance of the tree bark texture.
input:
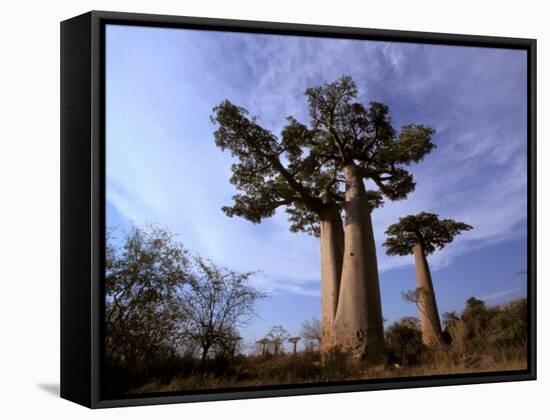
(429, 315)
(358, 325)
(332, 253)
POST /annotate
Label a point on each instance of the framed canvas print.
(256, 209)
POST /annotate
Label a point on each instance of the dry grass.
(306, 368)
(478, 340)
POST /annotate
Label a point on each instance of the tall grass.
(480, 339)
(304, 368)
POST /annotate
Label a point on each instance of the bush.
(497, 332)
(404, 342)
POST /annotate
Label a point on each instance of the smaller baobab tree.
(277, 335)
(294, 341)
(263, 345)
(421, 235)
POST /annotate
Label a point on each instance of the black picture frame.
(83, 204)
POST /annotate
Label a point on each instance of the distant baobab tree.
(263, 345)
(294, 341)
(317, 173)
(420, 235)
(277, 335)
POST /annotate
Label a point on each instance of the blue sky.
(164, 168)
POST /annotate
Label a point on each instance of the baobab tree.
(263, 344)
(294, 341)
(421, 235)
(317, 173)
(277, 335)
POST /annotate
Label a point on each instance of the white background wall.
(29, 210)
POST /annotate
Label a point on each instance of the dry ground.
(303, 368)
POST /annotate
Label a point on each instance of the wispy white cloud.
(500, 294)
(163, 165)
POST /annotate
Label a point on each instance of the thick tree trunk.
(429, 315)
(358, 325)
(332, 253)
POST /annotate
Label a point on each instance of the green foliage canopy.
(303, 169)
(424, 228)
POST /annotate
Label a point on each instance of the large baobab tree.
(316, 172)
(420, 235)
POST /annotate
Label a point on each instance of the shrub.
(404, 342)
